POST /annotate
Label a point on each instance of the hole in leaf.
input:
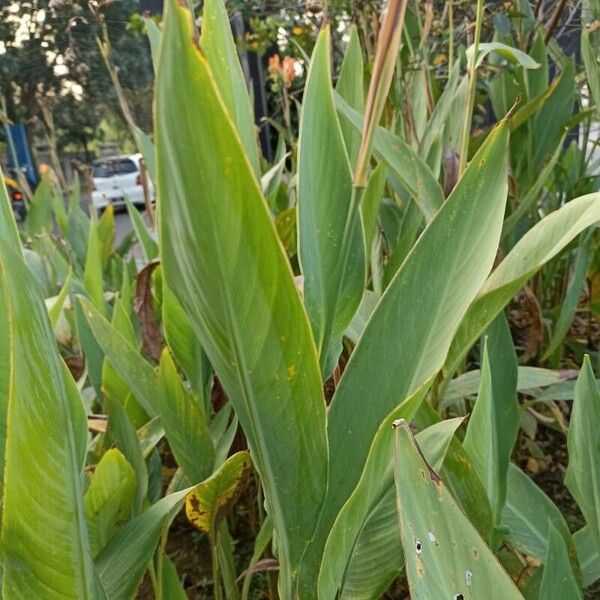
(418, 547)
(458, 597)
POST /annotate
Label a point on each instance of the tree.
(50, 59)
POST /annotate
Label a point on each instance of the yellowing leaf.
(208, 503)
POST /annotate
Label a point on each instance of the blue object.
(19, 153)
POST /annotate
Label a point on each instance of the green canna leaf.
(147, 242)
(425, 301)
(122, 563)
(92, 274)
(216, 40)
(541, 243)
(106, 230)
(109, 499)
(122, 432)
(588, 556)
(508, 52)
(222, 260)
(583, 441)
(445, 555)
(184, 343)
(39, 214)
(526, 514)
(570, 302)
(43, 477)
(185, 423)
(135, 370)
(558, 579)
(8, 227)
(172, 587)
(365, 530)
(371, 200)
(331, 244)
(351, 87)
(494, 422)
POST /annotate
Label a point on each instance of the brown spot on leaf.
(152, 338)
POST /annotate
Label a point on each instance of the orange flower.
(289, 70)
(274, 64)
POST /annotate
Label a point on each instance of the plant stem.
(216, 575)
(472, 72)
(450, 35)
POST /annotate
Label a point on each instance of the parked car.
(116, 177)
(16, 198)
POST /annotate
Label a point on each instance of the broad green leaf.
(42, 478)
(351, 87)
(363, 314)
(365, 530)
(528, 378)
(8, 227)
(210, 501)
(508, 52)
(527, 201)
(222, 260)
(56, 309)
(127, 361)
(154, 36)
(109, 499)
(494, 422)
(60, 213)
(113, 385)
(434, 130)
(78, 415)
(526, 515)
(570, 302)
(106, 231)
(588, 556)
(558, 579)
(122, 563)
(331, 244)
(147, 242)
(39, 213)
(185, 423)
(94, 357)
(537, 79)
(553, 117)
(92, 274)
(541, 243)
(445, 556)
(401, 160)
(171, 585)
(590, 45)
(183, 341)
(79, 232)
(583, 441)
(218, 45)
(416, 319)
(369, 207)
(144, 144)
(149, 435)
(122, 432)
(460, 476)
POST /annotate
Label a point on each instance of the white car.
(117, 177)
